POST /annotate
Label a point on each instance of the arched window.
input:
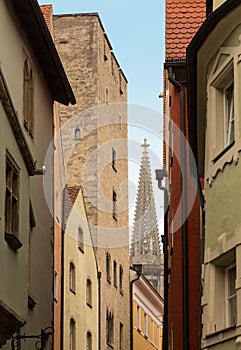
(72, 277)
(28, 112)
(77, 133)
(89, 341)
(80, 239)
(72, 334)
(89, 292)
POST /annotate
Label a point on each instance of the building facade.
(147, 313)
(94, 134)
(215, 139)
(80, 292)
(31, 78)
(182, 242)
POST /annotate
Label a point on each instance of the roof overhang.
(213, 32)
(32, 20)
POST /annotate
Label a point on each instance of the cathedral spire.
(145, 244)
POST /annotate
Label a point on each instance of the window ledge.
(223, 152)
(72, 291)
(13, 241)
(223, 330)
(90, 306)
(81, 249)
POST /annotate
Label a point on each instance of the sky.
(136, 32)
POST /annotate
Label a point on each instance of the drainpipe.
(62, 271)
(99, 308)
(184, 207)
(160, 174)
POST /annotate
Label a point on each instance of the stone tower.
(94, 138)
(145, 245)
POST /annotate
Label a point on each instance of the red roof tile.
(69, 199)
(183, 19)
(47, 11)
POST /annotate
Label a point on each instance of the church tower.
(145, 245)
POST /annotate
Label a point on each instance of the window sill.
(122, 292)
(72, 291)
(226, 149)
(81, 249)
(223, 330)
(13, 241)
(89, 305)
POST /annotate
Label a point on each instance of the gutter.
(184, 207)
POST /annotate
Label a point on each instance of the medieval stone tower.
(94, 136)
(145, 246)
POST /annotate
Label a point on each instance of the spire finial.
(145, 144)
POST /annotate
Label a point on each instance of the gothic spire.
(145, 244)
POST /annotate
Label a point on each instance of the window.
(72, 334)
(89, 341)
(106, 96)
(115, 273)
(72, 277)
(222, 107)
(231, 296)
(114, 159)
(80, 239)
(12, 197)
(114, 209)
(56, 285)
(109, 327)
(121, 279)
(77, 133)
(138, 317)
(89, 292)
(28, 98)
(108, 267)
(120, 80)
(228, 115)
(121, 345)
(145, 325)
(120, 121)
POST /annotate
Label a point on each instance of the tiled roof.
(183, 19)
(70, 196)
(47, 11)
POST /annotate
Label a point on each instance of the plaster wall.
(75, 306)
(12, 55)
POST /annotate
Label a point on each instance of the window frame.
(89, 292)
(114, 205)
(80, 239)
(72, 282)
(219, 83)
(228, 310)
(72, 334)
(108, 267)
(28, 98)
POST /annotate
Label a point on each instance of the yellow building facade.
(80, 277)
(147, 313)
